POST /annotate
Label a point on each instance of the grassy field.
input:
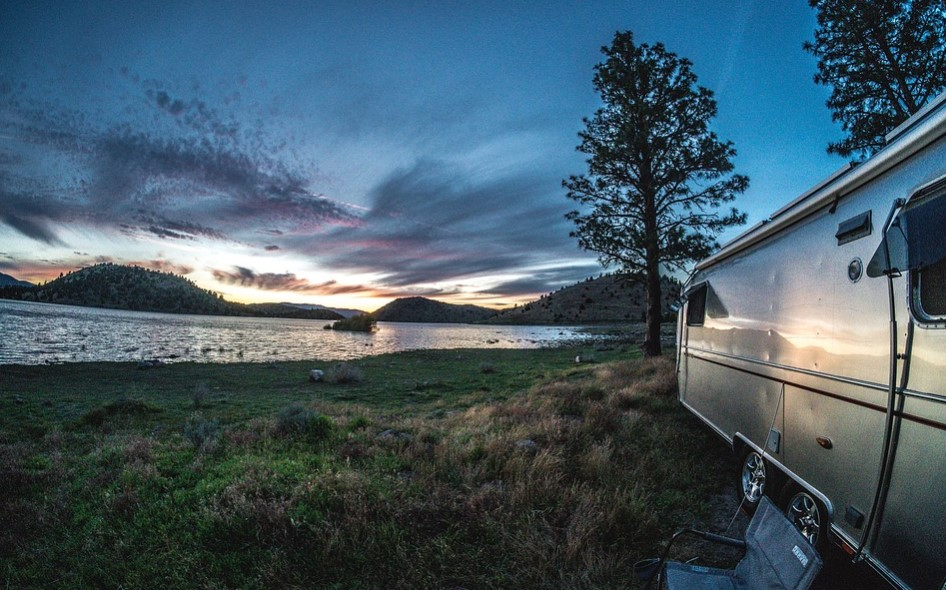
(436, 469)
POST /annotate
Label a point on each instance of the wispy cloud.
(246, 277)
(434, 223)
(545, 281)
(290, 282)
(175, 168)
(167, 166)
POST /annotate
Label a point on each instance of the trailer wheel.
(752, 477)
(807, 514)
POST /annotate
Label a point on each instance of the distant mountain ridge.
(134, 288)
(607, 299)
(8, 281)
(614, 298)
(342, 311)
(421, 309)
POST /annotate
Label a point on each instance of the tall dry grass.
(564, 485)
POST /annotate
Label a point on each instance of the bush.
(297, 420)
(358, 323)
(345, 373)
(129, 406)
(203, 434)
(200, 394)
(95, 417)
(122, 406)
(358, 423)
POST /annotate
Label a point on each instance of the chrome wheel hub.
(803, 513)
(753, 477)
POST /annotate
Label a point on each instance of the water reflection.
(36, 333)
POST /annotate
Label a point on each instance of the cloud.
(290, 282)
(177, 169)
(33, 227)
(435, 223)
(245, 277)
(165, 266)
(161, 165)
(26, 214)
(545, 281)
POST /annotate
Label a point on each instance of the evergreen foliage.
(420, 309)
(884, 59)
(131, 287)
(134, 288)
(656, 174)
(610, 298)
(357, 323)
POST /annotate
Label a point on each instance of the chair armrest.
(702, 534)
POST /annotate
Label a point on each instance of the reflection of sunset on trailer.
(816, 343)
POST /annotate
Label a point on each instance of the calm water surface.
(35, 333)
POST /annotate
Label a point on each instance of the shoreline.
(76, 334)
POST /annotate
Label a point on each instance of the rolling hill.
(420, 309)
(8, 281)
(607, 299)
(134, 288)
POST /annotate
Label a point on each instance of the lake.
(36, 333)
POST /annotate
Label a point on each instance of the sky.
(350, 153)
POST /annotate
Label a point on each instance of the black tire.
(753, 473)
(807, 513)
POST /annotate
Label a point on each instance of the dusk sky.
(348, 153)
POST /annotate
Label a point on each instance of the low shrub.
(95, 417)
(199, 396)
(345, 373)
(202, 433)
(130, 406)
(358, 423)
(122, 406)
(297, 420)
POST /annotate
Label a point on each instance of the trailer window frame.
(928, 302)
(696, 304)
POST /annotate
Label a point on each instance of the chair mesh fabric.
(777, 557)
(681, 575)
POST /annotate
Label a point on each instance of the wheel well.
(776, 476)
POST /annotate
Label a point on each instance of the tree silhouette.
(656, 174)
(884, 59)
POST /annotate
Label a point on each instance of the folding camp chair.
(777, 557)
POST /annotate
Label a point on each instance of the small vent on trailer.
(854, 228)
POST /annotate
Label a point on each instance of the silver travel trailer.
(815, 343)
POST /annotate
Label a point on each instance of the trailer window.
(696, 306)
(929, 292)
(914, 240)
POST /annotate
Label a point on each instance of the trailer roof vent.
(854, 228)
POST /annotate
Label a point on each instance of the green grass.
(429, 472)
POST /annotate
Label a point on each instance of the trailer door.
(910, 532)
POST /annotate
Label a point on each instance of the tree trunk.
(652, 271)
(652, 335)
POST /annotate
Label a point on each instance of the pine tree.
(656, 175)
(884, 59)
